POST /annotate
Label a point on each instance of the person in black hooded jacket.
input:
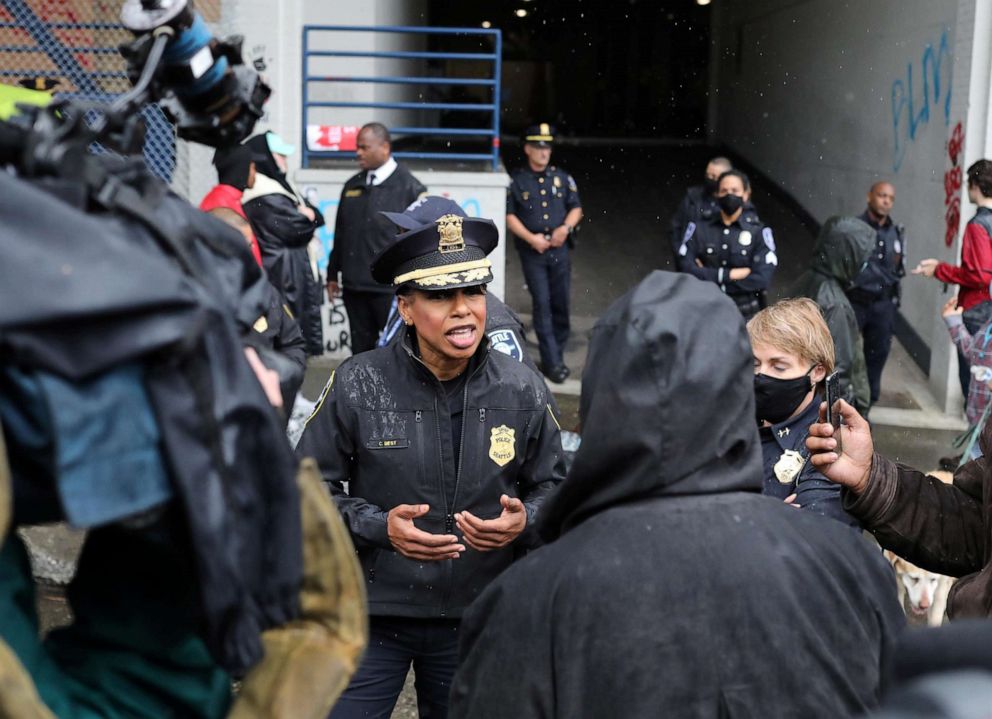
(670, 586)
(284, 223)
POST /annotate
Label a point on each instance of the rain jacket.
(841, 251)
(944, 528)
(177, 300)
(283, 234)
(674, 588)
(378, 427)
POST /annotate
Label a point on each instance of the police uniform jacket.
(541, 200)
(886, 264)
(382, 426)
(787, 469)
(697, 205)
(746, 242)
(360, 232)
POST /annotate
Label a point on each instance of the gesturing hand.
(851, 467)
(927, 267)
(487, 534)
(415, 543)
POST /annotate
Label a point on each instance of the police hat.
(423, 211)
(441, 252)
(42, 84)
(542, 135)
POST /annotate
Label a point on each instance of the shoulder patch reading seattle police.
(689, 229)
(506, 341)
(571, 183)
(502, 447)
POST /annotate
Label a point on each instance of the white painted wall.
(827, 97)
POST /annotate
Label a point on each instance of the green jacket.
(841, 251)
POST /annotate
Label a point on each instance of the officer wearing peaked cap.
(448, 450)
(543, 211)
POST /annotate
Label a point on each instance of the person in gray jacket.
(448, 450)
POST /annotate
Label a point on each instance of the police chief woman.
(447, 449)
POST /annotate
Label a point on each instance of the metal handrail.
(492, 130)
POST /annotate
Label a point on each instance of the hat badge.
(449, 229)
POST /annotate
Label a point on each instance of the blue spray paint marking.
(907, 117)
(329, 208)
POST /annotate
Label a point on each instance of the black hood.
(842, 248)
(233, 166)
(265, 163)
(667, 403)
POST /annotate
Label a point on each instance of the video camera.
(200, 82)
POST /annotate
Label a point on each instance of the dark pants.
(367, 313)
(549, 279)
(395, 643)
(876, 320)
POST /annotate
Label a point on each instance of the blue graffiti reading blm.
(907, 116)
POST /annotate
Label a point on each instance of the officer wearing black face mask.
(698, 204)
(789, 370)
(733, 248)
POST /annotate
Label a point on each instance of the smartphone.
(830, 395)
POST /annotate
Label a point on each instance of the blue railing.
(488, 133)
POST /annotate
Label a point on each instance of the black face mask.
(710, 186)
(776, 399)
(730, 203)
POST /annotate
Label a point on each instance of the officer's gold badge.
(449, 230)
(557, 181)
(502, 447)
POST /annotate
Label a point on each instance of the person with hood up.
(284, 223)
(670, 586)
(841, 251)
(235, 174)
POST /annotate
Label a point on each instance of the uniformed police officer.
(439, 453)
(542, 212)
(733, 248)
(876, 291)
(699, 203)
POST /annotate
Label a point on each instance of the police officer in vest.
(699, 203)
(542, 212)
(733, 248)
(876, 291)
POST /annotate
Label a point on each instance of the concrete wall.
(827, 97)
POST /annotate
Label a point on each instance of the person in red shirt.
(975, 272)
(235, 174)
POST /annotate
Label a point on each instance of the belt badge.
(502, 447)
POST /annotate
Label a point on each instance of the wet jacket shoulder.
(360, 232)
(841, 250)
(944, 528)
(382, 427)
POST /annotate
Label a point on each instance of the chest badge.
(744, 238)
(557, 181)
(525, 195)
(788, 466)
(502, 447)
(261, 325)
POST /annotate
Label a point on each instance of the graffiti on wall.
(338, 337)
(952, 186)
(924, 91)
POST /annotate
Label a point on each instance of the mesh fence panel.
(70, 47)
